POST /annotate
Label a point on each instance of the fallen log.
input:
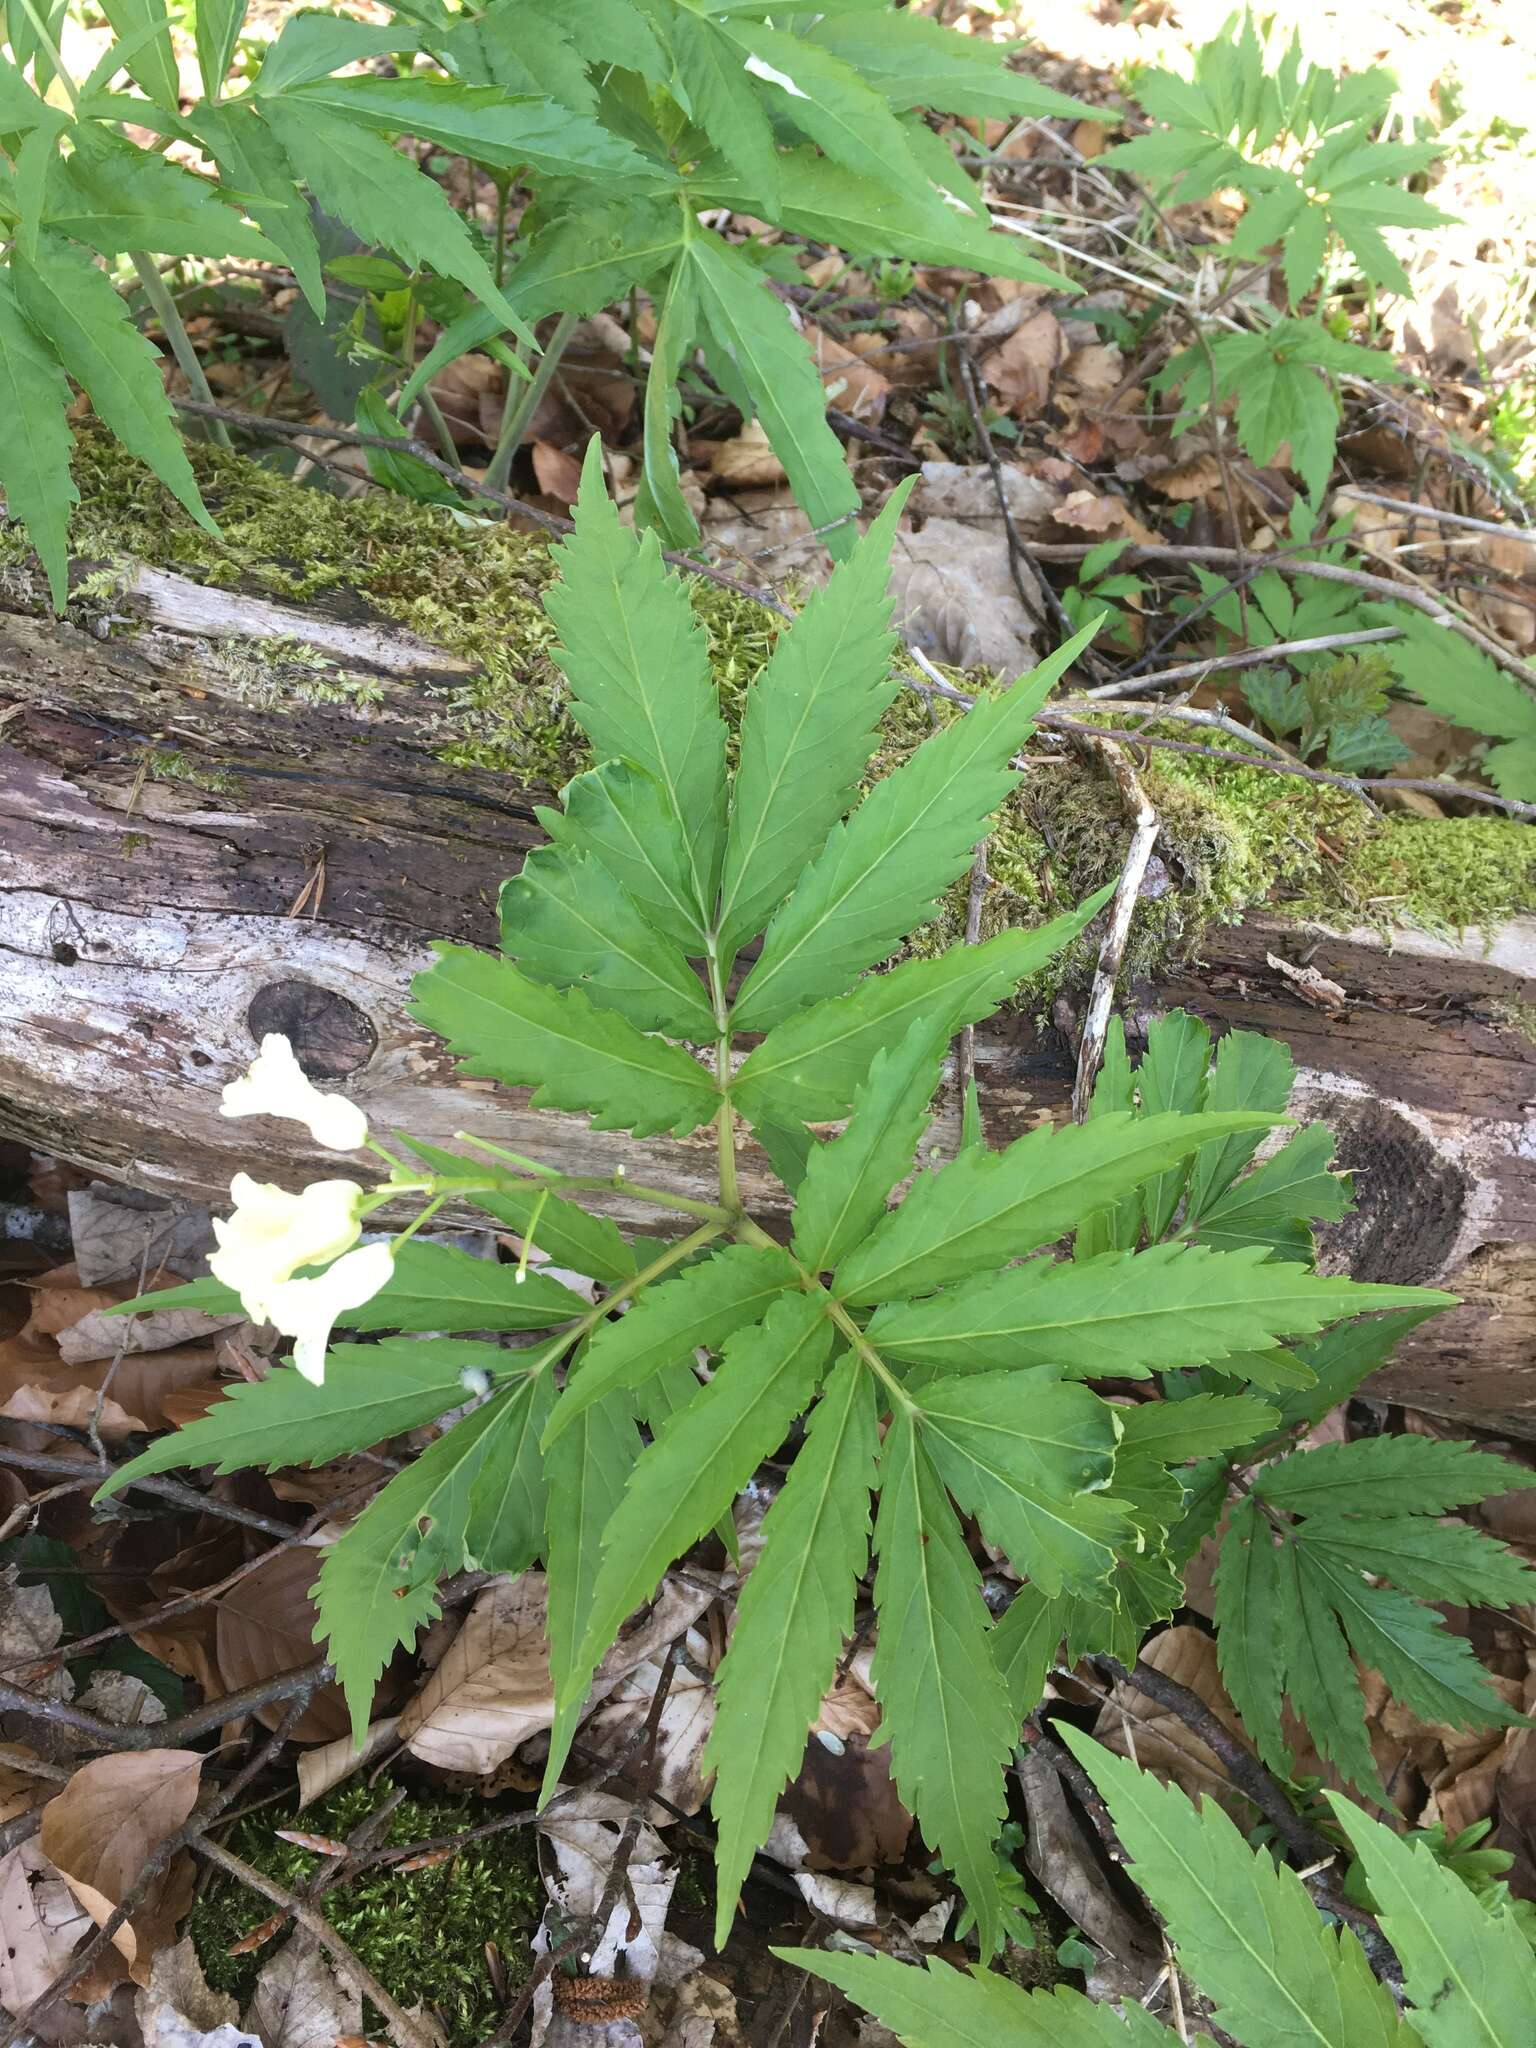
(185, 867)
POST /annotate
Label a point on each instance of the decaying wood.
(152, 930)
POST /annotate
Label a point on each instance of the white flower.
(272, 1233)
(276, 1085)
(306, 1309)
(760, 69)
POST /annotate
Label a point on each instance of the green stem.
(750, 1232)
(503, 194)
(439, 425)
(725, 1122)
(50, 50)
(515, 419)
(159, 296)
(426, 1215)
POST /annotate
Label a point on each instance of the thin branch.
(1354, 495)
(1250, 657)
(167, 1489)
(1144, 829)
(287, 1685)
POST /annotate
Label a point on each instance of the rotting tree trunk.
(153, 929)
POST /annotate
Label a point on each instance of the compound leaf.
(435, 1287)
(567, 1234)
(35, 443)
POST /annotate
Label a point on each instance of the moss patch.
(422, 1934)
(1231, 837)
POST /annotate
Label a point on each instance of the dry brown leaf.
(265, 1626)
(1087, 512)
(102, 1336)
(558, 474)
(320, 1769)
(120, 1233)
(845, 1804)
(747, 461)
(1096, 369)
(177, 2007)
(687, 1717)
(1192, 478)
(112, 1815)
(853, 384)
(1020, 369)
(300, 2002)
(59, 1300)
(40, 1923)
(492, 1690)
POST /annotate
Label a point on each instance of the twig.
(965, 1053)
(167, 1489)
(187, 1837)
(1357, 496)
(231, 1706)
(1323, 572)
(1144, 830)
(1312, 1851)
(1033, 591)
(409, 2032)
(1250, 657)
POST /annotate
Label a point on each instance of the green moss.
(1230, 838)
(163, 764)
(422, 1934)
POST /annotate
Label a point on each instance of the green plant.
(1093, 596)
(1247, 1936)
(1302, 147)
(1336, 708)
(626, 118)
(625, 942)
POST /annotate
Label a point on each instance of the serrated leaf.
(567, 1234)
(378, 1582)
(586, 1471)
(1171, 1078)
(1249, 1071)
(73, 306)
(1275, 1204)
(1453, 678)
(847, 1182)
(585, 258)
(871, 217)
(35, 443)
(216, 25)
(313, 42)
(370, 1392)
(1387, 1475)
(1435, 1560)
(696, 1309)
(21, 110)
(248, 155)
(809, 725)
(1024, 1645)
(508, 1496)
(638, 665)
(943, 1707)
(357, 176)
(522, 47)
(1343, 1357)
(1117, 1228)
(113, 196)
(935, 2006)
(435, 1287)
(659, 500)
(1320, 1675)
(985, 1208)
(621, 816)
(829, 103)
(1174, 1432)
(808, 1069)
(568, 922)
(880, 875)
(1028, 1458)
(573, 1055)
(718, 94)
(1123, 1313)
(145, 26)
(1249, 1649)
(1469, 1973)
(1434, 1673)
(766, 370)
(913, 62)
(477, 121)
(793, 1616)
(1243, 1926)
(703, 1457)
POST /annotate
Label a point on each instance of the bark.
(152, 930)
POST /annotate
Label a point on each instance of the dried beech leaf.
(110, 1818)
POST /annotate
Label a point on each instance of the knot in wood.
(331, 1037)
